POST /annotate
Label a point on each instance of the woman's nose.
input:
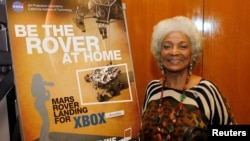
(175, 50)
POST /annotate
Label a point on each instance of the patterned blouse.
(204, 105)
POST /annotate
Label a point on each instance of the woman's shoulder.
(154, 82)
(197, 80)
(194, 80)
(203, 83)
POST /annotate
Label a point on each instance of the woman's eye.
(183, 46)
(167, 46)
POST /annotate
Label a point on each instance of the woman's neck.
(176, 80)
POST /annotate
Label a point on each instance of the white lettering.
(216, 132)
(53, 44)
(22, 31)
(102, 55)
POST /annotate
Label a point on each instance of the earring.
(162, 69)
(190, 69)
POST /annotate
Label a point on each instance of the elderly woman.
(180, 105)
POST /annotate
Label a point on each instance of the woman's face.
(176, 52)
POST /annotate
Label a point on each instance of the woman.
(180, 102)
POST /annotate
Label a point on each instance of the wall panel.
(226, 53)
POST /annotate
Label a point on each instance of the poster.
(73, 70)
